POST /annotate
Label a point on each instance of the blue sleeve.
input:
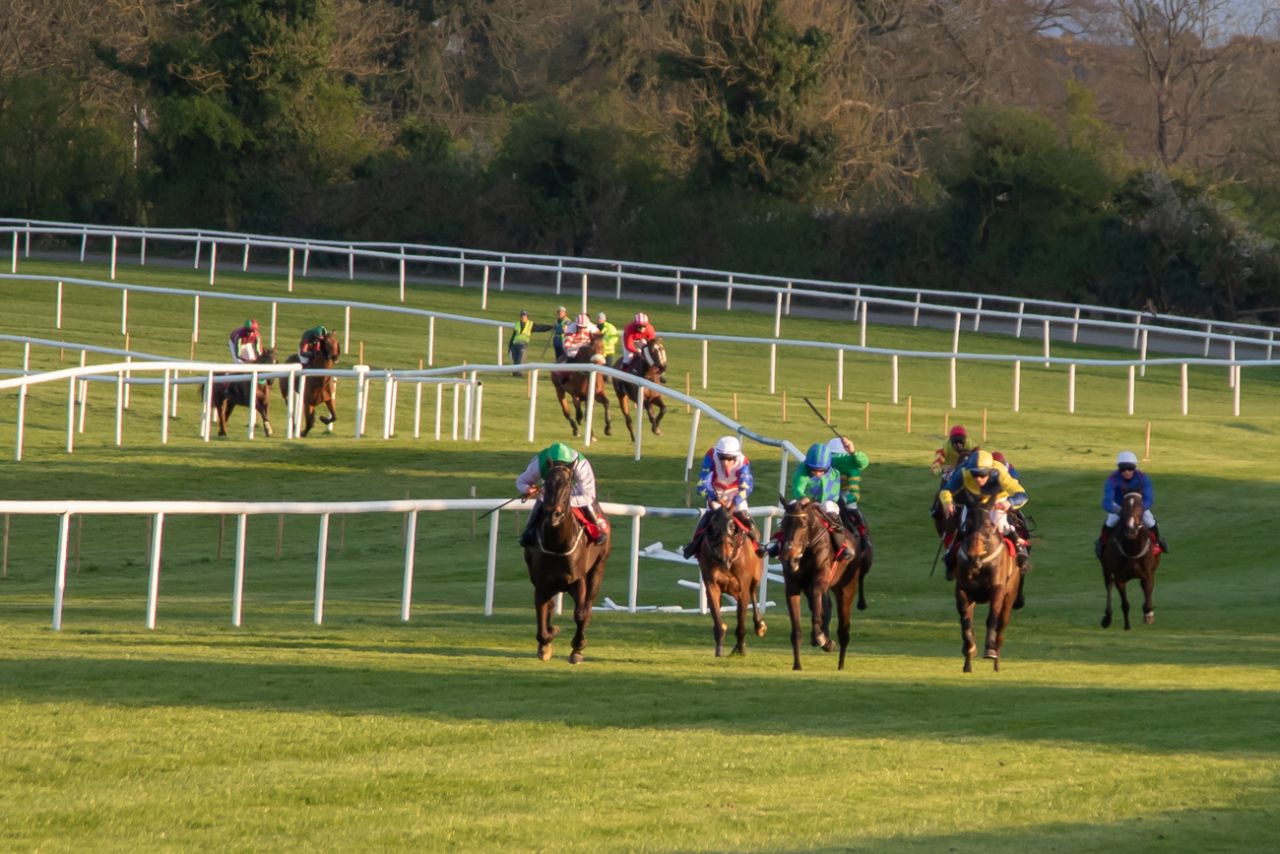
(831, 486)
(955, 481)
(1148, 493)
(746, 481)
(1109, 502)
(704, 478)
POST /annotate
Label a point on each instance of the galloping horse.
(729, 564)
(228, 394)
(1130, 554)
(651, 364)
(580, 384)
(809, 567)
(986, 570)
(317, 390)
(563, 560)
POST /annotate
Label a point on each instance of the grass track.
(446, 733)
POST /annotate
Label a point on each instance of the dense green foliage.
(446, 732)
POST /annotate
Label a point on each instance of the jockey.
(245, 343)
(638, 333)
(309, 346)
(849, 463)
(583, 496)
(1128, 478)
(577, 335)
(557, 339)
(608, 337)
(820, 483)
(946, 458)
(726, 478)
(989, 485)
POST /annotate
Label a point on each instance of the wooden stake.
(866, 416)
(688, 391)
(908, 413)
(4, 557)
(279, 535)
(1146, 447)
(946, 424)
(784, 406)
(222, 533)
(192, 356)
(984, 425)
(361, 361)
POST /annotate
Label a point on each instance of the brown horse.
(578, 384)
(729, 565)
(1129, 554)
(317, 390)
(986, 570)
(228, 394)
(809, 567)
(651, 364)
(563, 560)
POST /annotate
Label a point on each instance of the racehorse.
(1130, 554)
(228, 394)
(317, 390)
(563, 560)
(729, 565)
(651, 364)
(809, 567)
(579, 384)
(986, 570)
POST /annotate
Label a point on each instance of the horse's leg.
(542, 606)
(717, 624)
(624, 404)
(1148, 580)
(756, 620)
(968, 646)
(864, 567)
(603, 400)
(1106, 615)
(793, 610)
(581, 617)
(820, 610)
(224, 412)
(564, 407)
(1124, 603)
(262, 410)
(656, 402)
(844, 611)
(328, 402)
(742, 595)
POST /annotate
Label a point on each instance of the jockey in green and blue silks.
(820, 483)
(583, 494)
(849, 463)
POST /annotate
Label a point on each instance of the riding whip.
(933, 568)
(820, 418)
(499, 507)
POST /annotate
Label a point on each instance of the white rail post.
(153, 582)
(894, 370)
(13, 266)
(114, 248)
(60, 571)
(1071, 388)
(1017, 386)
(559, 273)
(142, 251)
(1235, 393)
(728, 295)
(1018, 329)
(618, 294)
(457, 393)
(206, 409)
(244, 266)
(633, 584)
(213, 262)
(439, 408)
(402, 263)
(1183, 372)
(431, 341)
(955, 335)
(195, 320)
(364, 402)
(704, 363)
(1075, 326)
(862, 324)
(346, 328)
(1231, 369)
(501, 335)
(479, 407)
(388, 406)
(1208, 337)
(468, 396)
(952, 374)
(306, 259)
(462, 269)
(533, 400)
(57, 309)
(71, 414)
(351, 263)
(124, 311)
(789, 299)
(289, 285)
(410, 552)
(322, 560)
(840, 374)
(777, 316)
(1046, 343)
(1271, 343)
(915, 313)
(1132, 373)
(977, 314)
(1137, 326)
(22, 401)
(693, 439)
(859, 305)
(84, 246)
(237, 591)
(491, 565)
(678, 287)
(773, 366)
(782, 473)
(119, 407)
(360, 381)
(167, 385)
(275, 316)
(591, 407)
(253, 396)
(484, 289)
(502, 274)
(417, 409)
(1143, 352)
(693, 304)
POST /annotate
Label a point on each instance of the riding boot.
(1021, 551)
(1164, 547)
(529, 537)
(949, 562)
(752, 533)
(691, 548)
(1101, 543)
(597, 519)
(1021, 598)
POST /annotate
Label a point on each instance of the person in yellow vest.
(609, 336)
(522, 334)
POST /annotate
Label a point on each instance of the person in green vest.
(849, 463)
(522, 334)
(557, 340)
(609, 337)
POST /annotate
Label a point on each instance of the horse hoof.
(968, 666)
(544, 653)
(657, 432)
(1106, 621)
(575, 657)
(266, 428)
(828, 646)
(324, 420)
(1149, 619)
(719, 651)
(862, 606)
(991, 653)
(995, 665)
(796, 667)
(739, 650)
(761, 630)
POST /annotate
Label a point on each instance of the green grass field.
(446, 733)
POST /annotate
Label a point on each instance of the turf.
(446, 733)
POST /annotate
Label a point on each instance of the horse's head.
(1131, 515)
(655, 356)
(795, 531)
(723, 534)
(557, 487)
(329, 348)
(267, 357)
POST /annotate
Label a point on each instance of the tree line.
(1117, 151)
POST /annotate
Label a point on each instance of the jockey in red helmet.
(244, 342)
(946, 458)
(637, 334)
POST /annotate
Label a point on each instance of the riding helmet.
(642, 319)
(729, 446)
(1127, 458)
(819, 457)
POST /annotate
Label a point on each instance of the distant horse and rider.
(986, 570)
(728, 562)
(578, 386)
(318, 351)
(650, 363)
(1131, 553)
(226, 395)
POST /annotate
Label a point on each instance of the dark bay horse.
(986, 570)
(809, 567)
(728, 562)
(1130, 554)
(228, 394)
(578, 384)
(651, 364)
(563, 560)
(317, 390)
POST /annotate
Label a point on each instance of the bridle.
(556, 510)
(1131, 512)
